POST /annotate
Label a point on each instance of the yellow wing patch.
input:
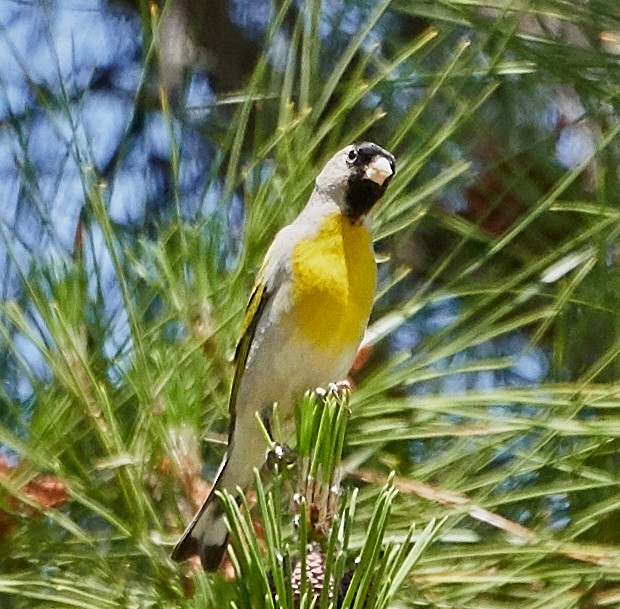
(253, 312)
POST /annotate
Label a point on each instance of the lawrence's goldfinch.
(304, 322)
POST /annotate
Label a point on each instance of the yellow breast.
(334, 278)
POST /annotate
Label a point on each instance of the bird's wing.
(256, 305)
(270, 279)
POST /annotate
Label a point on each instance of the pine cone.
(315, 575)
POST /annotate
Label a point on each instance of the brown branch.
(598, 555)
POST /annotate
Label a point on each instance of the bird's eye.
(352, 155)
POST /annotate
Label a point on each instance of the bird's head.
(356, 178)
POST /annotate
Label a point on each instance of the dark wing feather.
(256, 305)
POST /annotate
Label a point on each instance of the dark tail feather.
(211, 556)
(188, 546)
(206, 535)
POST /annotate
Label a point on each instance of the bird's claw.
(280, 457)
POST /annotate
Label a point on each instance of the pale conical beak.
(379, 170)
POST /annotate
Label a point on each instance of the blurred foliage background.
(149, 151)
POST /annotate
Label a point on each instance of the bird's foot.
(280, 457)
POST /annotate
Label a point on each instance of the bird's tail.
(205, 536)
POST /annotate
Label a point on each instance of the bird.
(305, 319)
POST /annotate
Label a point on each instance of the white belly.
(282, 370)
